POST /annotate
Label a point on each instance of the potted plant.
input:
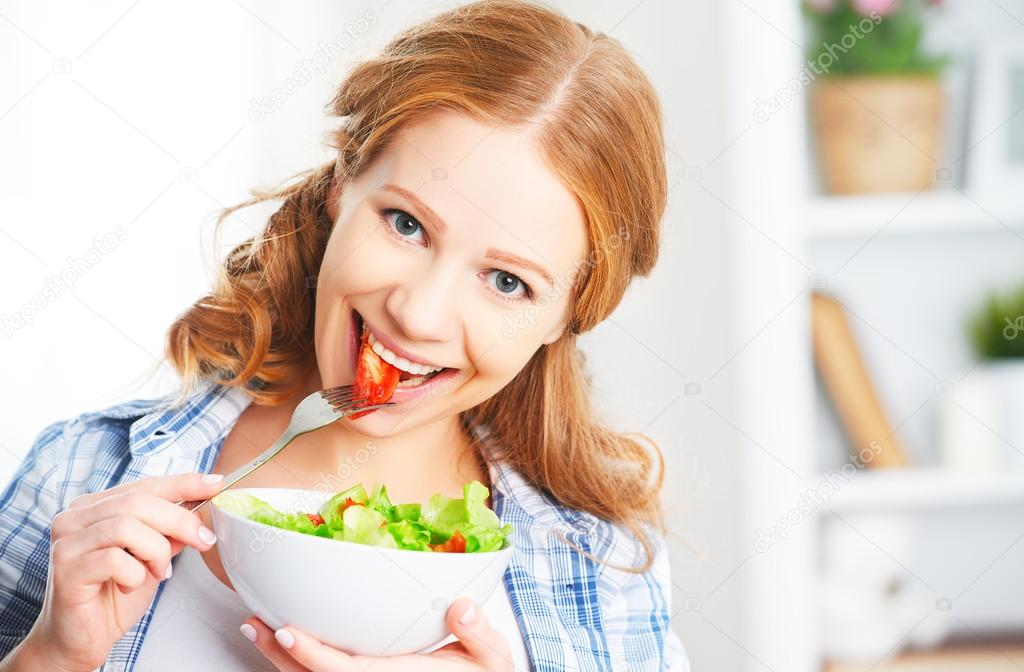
(996, 332)
(877, 104)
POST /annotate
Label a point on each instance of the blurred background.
(830, 352)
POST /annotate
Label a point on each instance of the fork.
(315, 411)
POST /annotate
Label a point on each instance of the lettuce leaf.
(332, 509)
(470, 515)
(412, 536)
(407, 512)
(380, 503)
(364, 525)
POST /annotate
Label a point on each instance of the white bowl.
(358, 598)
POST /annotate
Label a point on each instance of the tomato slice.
(376, 379)
(315, 518)
(347, 503)
(455, 544)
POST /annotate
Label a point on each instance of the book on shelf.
(952, 659)
(849, 385)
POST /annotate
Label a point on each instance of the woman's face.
(457, 248)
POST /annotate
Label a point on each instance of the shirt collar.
(528, 499)
(190, 427)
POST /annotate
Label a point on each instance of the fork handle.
(244, 470)
(289, 434)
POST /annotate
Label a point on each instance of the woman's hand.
(109, 551)
(480, 647)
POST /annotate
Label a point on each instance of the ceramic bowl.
(358, 598)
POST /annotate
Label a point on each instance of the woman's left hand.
(480, 647)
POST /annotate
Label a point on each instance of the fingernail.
(207, 535)
(212, 478)
(248, 631)
(469, 616)
(284, 638)
(167, 574)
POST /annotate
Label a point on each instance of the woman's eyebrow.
(420, 205)
(509, 258)
(492, 253)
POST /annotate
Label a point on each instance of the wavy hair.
(595, 118)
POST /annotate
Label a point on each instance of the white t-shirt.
(195, 625)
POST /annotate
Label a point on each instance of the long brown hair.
(595, 117)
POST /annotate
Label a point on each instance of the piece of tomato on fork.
(376, 379)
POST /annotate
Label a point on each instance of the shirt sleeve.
(638, 621)
(27, 505)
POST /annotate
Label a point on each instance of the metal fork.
(315, 411)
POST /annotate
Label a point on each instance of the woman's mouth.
(411, 374)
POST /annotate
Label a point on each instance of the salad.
(443, 524)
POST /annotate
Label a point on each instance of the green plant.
(996, 330)
(881, 37)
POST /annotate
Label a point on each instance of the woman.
(499, 181)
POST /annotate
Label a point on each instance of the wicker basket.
(878, 133)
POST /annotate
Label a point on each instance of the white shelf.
(927, 489)
(940, 211)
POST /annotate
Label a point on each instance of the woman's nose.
(424, 307)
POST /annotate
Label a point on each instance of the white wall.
(137, 121)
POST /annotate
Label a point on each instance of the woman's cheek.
(361, 263)
(506, 351)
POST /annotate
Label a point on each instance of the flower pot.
(981, 426)
(878, 133)
(1007, 376)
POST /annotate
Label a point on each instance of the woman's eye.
(509, 286)
(402, 223)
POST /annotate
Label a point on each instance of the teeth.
(412, 382)
(399, 362)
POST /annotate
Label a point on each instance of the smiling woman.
(499, 181)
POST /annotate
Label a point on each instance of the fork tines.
(344, 398)
(339, 394)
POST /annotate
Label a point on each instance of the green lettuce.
(470, 516)
(355, 516)
(333, 508)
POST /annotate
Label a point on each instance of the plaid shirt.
(574, 613)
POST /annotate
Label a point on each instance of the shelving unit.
(927, 489)
(927, 213)
(912, 265)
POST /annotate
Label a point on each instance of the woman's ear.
(555, 333)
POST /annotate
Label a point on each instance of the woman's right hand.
(109, 552)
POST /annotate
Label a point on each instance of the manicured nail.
(167, 574)
(469, 616)
(284, 638)
(207, 535)
(248, 631)
(212, 478)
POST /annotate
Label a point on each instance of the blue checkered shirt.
(574, 613)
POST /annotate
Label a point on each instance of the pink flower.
(821, 6)
(880, 7)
